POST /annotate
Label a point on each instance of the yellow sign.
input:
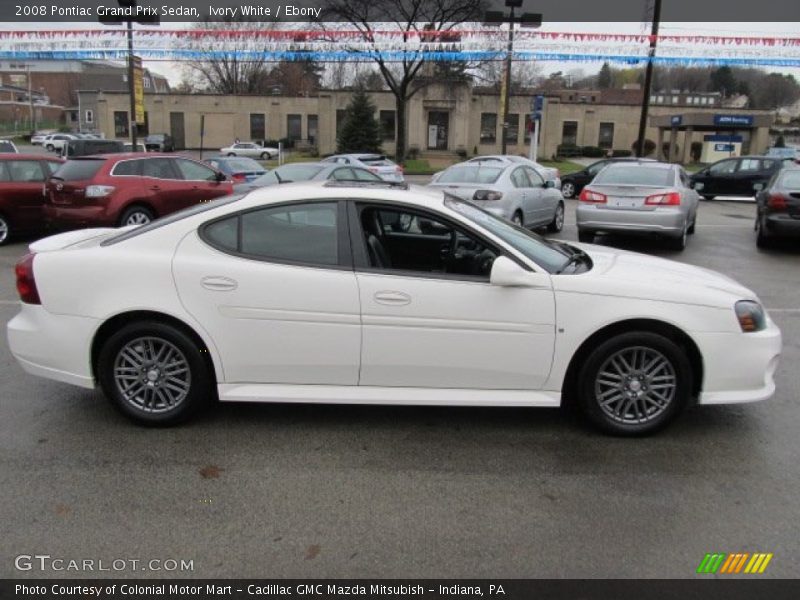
(138, 90)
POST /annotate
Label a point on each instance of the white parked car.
(343, 293)
(55, 141)
(38, 137)
(383, 167)
(250, 150)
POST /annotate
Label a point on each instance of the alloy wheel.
(3, 230)
(568, 190)
(137, 218)
(635, 385)
(152, 375)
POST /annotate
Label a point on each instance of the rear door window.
(159, 168)
(79, 169)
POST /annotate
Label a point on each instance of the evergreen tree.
(604, 77)
(360, 131)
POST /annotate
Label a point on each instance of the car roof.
(421, 196)
(648, 164)
(14, 156)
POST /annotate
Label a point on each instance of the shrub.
(676, 149)
(462, 153)
(649, 147)
(621, 153)
(413, 153)
(593, 152)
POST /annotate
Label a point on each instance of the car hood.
(633, 275)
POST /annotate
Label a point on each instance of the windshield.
(470, 174)
(543, 253)
(238, 165)
(634, 175)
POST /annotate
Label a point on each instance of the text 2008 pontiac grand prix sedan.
(347, 293)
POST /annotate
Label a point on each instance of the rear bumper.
(783, 224)
(53, 346)
(70, 217)
(665, 221)
(739, 367)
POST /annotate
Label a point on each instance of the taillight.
(777, 202)
(26, 284)
(590, 196)
(238, 177)
(671, 199)
(98, 191)
(487, 195)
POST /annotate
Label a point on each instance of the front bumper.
(663, 220)
(739, 367)
(53, 346)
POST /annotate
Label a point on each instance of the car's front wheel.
(634, 383)
(557, 224)
(231, 153)
(265, 156)
(50, 147)
(154, 373)
(568, 189)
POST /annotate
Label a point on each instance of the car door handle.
(155, 188)
(392, 298)
(219, 284)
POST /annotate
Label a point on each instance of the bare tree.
(410, 17)
(524, 74)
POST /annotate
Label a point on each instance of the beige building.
(443, 120)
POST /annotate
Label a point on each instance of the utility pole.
(648, 80)
(493, 17)
(30, 101)
(131, 86)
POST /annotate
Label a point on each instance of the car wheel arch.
(116, 322)
(137, 203)
(668, 330)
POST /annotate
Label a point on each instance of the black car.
(778, 207)
(159, 142)
(573, 183)
(736, 176)
(74, 148)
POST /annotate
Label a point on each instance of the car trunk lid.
(629, 197)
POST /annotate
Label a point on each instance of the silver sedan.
(510, 190)
(639, 198)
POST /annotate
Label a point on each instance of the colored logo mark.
(737, 562)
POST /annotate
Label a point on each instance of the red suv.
(127, 189)
(21, 199)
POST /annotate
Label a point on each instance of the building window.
(661, 99)
(146, 82)
(294, 125)
(89, 116)
(121, 123)
(258, 126)
(569, 133)
(388, 125)
(312, 128)
(341, 117)
(675, 99)
(488, 128)
(606, 137)
(512, 133)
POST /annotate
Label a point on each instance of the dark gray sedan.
(307, 172)
(778, 212)
(639, 198)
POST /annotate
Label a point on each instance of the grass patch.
(563, 166)
(419, 167)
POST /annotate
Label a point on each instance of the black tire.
(708, 197)
(679, 243)
(518, 219)
(567, 189)
(5, 229)
(764, 240)
(136, 215)
(265, 156)
(621, 420)
(557, 224)
(690, 231)
(586, 237)
(50, 147)
(231, 153)
(196, 394)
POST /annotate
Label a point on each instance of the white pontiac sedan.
(250, 150)
(347, 293)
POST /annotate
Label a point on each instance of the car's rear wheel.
(154, 373)
(265, 156)
(50, 147)
(679, 243)
(568, 189)
(763, 237)
(634, 383)
(585, 236)
(136, 215)
(557, 224)
(5, 230)
(231, 153)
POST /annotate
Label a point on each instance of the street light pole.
(648, 82)
(507, 94)
(131, 85)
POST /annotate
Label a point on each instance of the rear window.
(476, 174)
(790, 180)
(78, 170)
(634, 175)
(376, 161)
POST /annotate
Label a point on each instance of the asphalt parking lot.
(327, 491)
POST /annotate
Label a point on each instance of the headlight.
(751, 316)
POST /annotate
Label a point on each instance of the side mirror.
(697, 185)
(220, 176)
(507, 273)
(549, 184)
